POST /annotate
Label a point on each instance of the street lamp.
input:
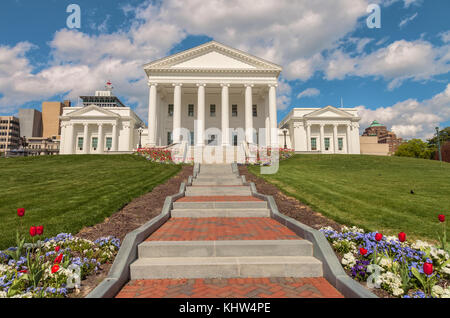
(285, 133)
(439, 144)
(140, 130)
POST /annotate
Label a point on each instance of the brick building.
(384, 136)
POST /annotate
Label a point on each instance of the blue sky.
(397, 74)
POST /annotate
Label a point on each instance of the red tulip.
(428, 268)
(55, 268)
(33, 231)
(378, 236)
(23, 271)
(362, 251)
(58, 259)
(441, 217)
(39, 230)
(57, 248)
(401, 237)
(21, 212)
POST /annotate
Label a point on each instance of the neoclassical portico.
(209, 94)
(324, 130)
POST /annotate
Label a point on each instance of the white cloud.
(401, 60)
(407, 3)
(445, 36)
(309, 92)
(411, 118)
(406, 20)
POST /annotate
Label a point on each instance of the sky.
(397, 74)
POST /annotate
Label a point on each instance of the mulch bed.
(130, 217)
(297, 210)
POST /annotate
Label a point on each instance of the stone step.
(217, 182)
(225, 267)
(152, 249)
(221, 205)
(219, 213)
(218, 190)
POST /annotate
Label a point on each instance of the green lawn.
(66, 193)
(369, 191)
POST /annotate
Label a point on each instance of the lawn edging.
(332, 269)
(119, 273)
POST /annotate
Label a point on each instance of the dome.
(375, 124)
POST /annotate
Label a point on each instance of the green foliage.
(415, 148)
(444, 136)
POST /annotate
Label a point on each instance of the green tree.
(415, 148)
(444, 136)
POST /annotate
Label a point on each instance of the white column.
(85, 138)
(267, 121)
(335, 141)
(100, 144)
(322, 141)
(349, 144)
(114, 138)
(273, 115)
(225, 115)
(127, 136)
(152, 114)
(200, 115)
(248, 113)
(308, 137)
(176, 112)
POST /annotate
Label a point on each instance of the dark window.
(255, 111)
(234, 112)
(212, 110)
(170, 110)
(191, 110)
(169, 138)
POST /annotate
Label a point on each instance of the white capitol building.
(210, 96)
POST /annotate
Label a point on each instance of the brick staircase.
(218, 230)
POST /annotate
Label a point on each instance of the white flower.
(446, 293)
(421, 245)
(437, 290)
(2, 294)
(348, 260)
(386, 262)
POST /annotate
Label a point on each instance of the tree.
(444, 136)
(415, 148)
(445, 151)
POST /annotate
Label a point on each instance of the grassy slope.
(66, 193)
(370, 191)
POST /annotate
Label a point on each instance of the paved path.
(221, 242)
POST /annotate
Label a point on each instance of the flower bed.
(263, 155)
(156, 154)
(403, 269)
(50, 268)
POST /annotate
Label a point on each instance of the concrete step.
(217, 181)
(219, 213)
(218, 190)
(226, 267)
(221, 205)
(152, 249)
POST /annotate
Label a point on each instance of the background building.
(384, 136)
(36, 146)
(91, 128)
(369, 146)
(30, 123)
(9, 133)
(51, 112)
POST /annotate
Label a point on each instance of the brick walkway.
(230, 288)
(216, 229)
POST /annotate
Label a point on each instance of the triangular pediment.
(92, 111)
(212, 56)
(329, 112)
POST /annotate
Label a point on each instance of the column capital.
(200, 84)
(248, 85)
(224, 85)
(85, 124)
(99, 124)
(152, 83)
(177, 84)
(272, 85)
(335, 125)
(322, 125)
